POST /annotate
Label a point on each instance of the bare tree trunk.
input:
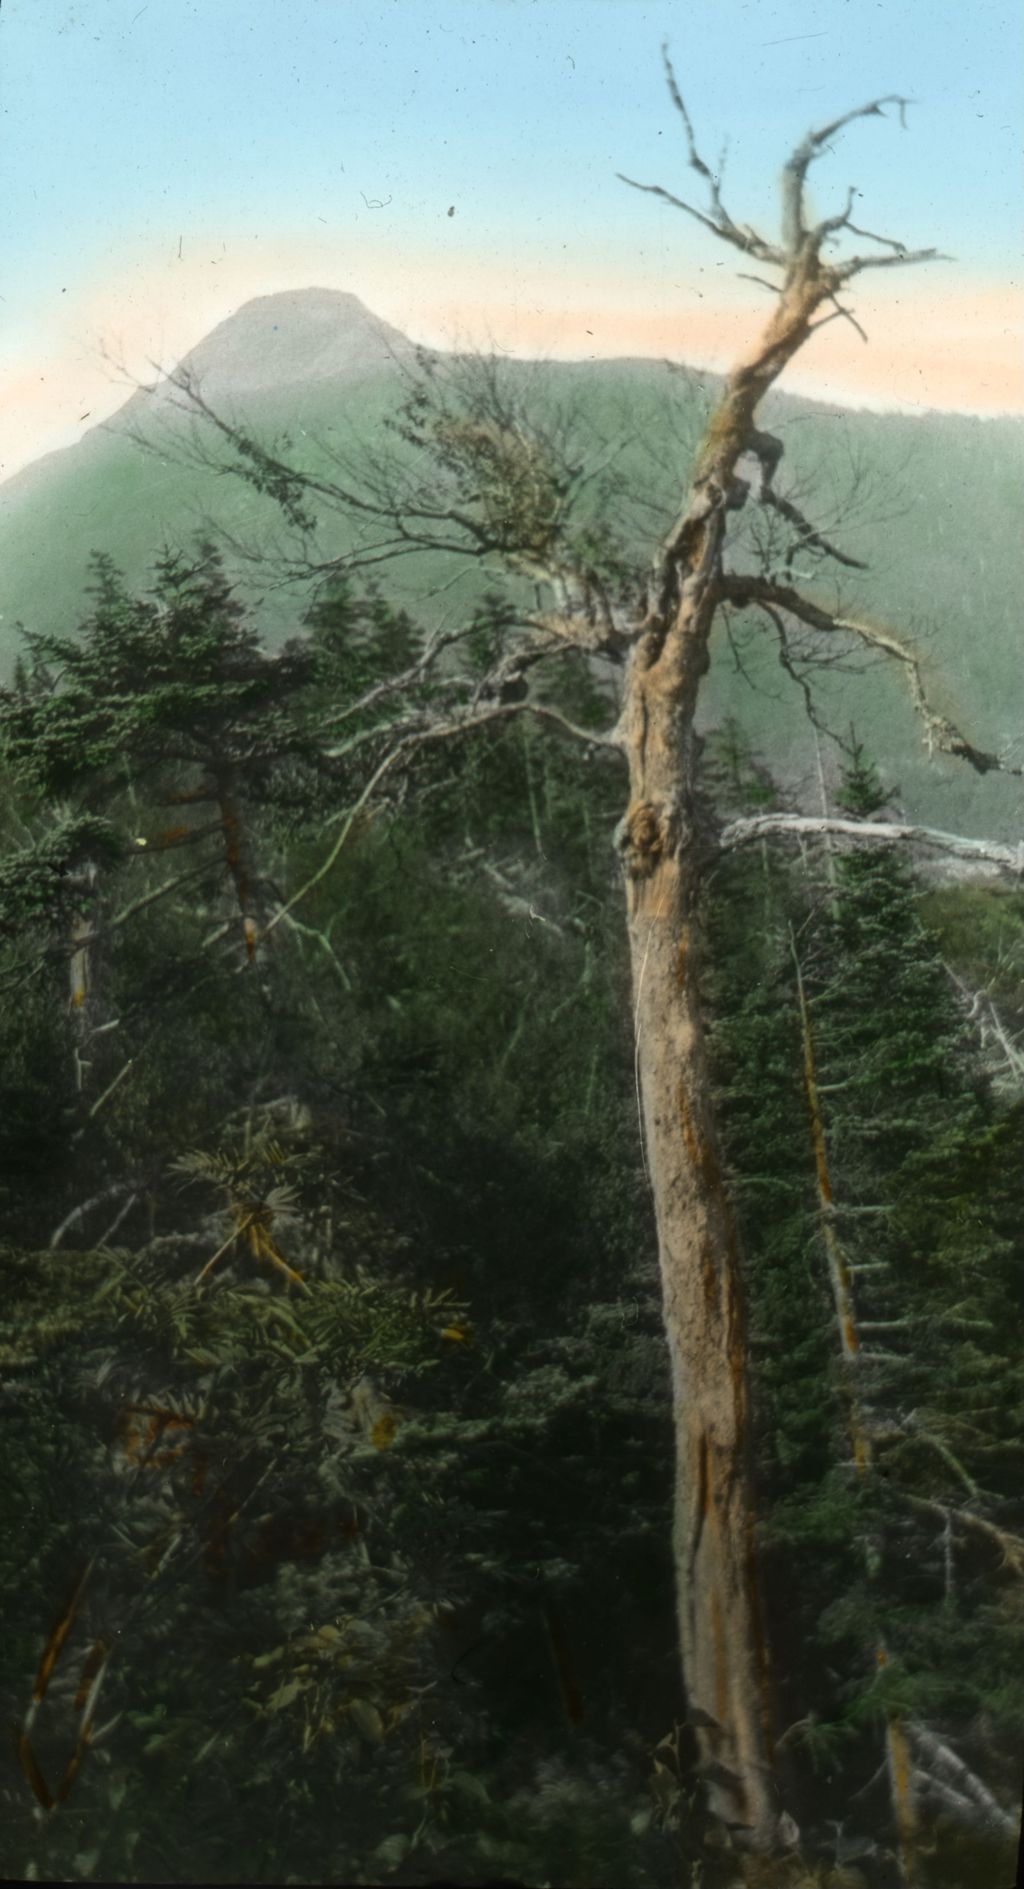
(80, 969)
(830, 851)
(840, 1278)
(721, 1637)
(236, 860)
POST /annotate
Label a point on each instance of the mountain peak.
(297, 335)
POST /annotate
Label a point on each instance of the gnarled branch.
(800, 250)
(807, 536)
(940, 733)
(794, 176)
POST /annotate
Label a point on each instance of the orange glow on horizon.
(934, 343)
(960, 352)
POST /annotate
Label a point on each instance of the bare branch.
(417, 672)
(940, 733)
(846, 314)
(404, 748)
(124, 1070)
(800, 245)
(889, 242)
(320, 938)
(788, 664)
(807, 535)
(258, 465)
(946, 1764)
(750, 245)
(1010, 1546)
(149, 898)
(945, 1797)
(696, 161)
(78, 1214)
(871, 833)
(719, 222)
(413, 519)
(981, 1011)
(723, 222)
(794, 177)
(843, 271)
(830, 224)
(119, 1218)
(588, 736)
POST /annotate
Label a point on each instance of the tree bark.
(236, 858)
(721, 1637)
(720, 1630)
(80, 969)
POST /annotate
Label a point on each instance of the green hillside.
(930, 503)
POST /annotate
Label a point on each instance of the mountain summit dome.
(296, 336)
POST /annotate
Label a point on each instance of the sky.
(453, 163)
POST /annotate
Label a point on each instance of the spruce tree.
(346, 1531)
(887, 1403)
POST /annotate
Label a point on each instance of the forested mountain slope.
(930, 503)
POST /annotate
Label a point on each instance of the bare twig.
(719, 222)
(111, 1086)
(840, 313)
(78, 1214)
(405, 747)
(808, 537)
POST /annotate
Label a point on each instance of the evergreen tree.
(340, 1537)
(889, 1395)
(165, 702)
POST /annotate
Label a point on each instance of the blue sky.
(130, 129)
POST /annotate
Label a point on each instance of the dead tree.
(471, 475)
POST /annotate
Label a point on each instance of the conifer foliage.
(332, 1382)
(325, 1311)
(879, 1177)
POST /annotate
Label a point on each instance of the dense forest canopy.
(346, 1125)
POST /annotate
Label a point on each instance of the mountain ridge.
(323, 336)
(316, 371)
